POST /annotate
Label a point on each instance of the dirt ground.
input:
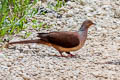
(99, 59)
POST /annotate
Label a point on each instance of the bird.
(62, 41)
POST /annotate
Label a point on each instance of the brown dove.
(64, 41)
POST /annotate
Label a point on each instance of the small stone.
(59, 15)
(76, 10)
(23, 32)
(88, 9)
(59, 22)
(69, 14)
(50, 15)
(2, 55)
(89, 14)
(117, 13)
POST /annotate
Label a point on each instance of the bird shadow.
(48, 55)
(67, 57)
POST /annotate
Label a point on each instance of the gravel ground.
(99, 59)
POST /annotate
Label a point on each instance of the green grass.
(13, 15)
(58, 5)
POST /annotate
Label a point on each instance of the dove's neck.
(83, 28)
(83, 32)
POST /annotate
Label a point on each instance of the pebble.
(117, 13)
(69, 14)
(2, 55)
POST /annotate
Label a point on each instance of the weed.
(27, 34)
(58, 5)
(13, 15)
